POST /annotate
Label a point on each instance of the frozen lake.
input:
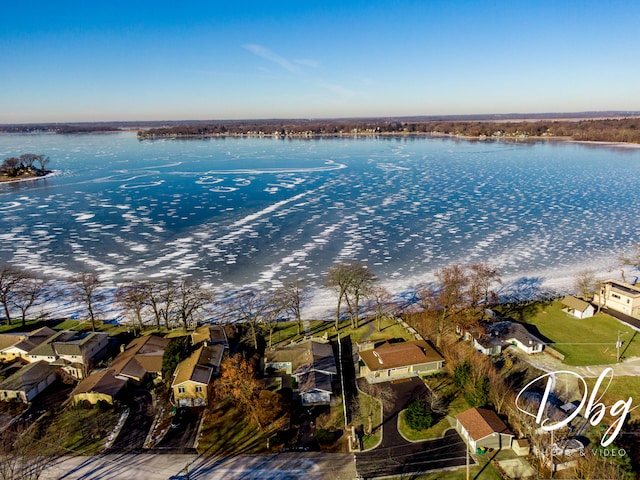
(239, 211)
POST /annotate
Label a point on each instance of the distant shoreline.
(5, 180)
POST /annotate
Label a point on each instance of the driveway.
(397, 456)
(137, 426)
(180, 439)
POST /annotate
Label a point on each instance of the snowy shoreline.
(535, 286)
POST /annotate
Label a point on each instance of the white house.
(577, 308)
(513, 333)
(28, 382)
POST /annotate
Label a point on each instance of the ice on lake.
(239, 211)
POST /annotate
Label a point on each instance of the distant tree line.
(607, 130)
(25, 164)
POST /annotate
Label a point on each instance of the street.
(293, 465)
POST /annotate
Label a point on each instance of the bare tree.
(585, 284)
(26, 293)
(351, 282)
(383, 397)
(481, 296)
(24, 456)
(191, 298)
(10, 278)
(273, 307)
(446, 300)
(249, 306)
(293, 295)
(384, 304)
(86, 290)
(132, 297)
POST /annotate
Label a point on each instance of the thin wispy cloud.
(267, 54)
(295, 66)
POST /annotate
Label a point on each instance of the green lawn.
(590, 341)
(458, 405)
(226, 430)
(82, 431)
(286, 332)
(621, 388)
(369, 404)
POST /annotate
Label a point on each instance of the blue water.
(239, 211)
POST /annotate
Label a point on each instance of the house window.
(198, 389)
(615, 295)
(181, 390)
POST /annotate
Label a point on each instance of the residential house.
(619, 296)
(482, 428)
(311, 364)
(18, 345)
(28, 382)
(209, 334)
(141, 358)
(513, 333)
(577, 308)
(75, 352)
(392, 361)
(193, 377)
(99, 386)
(485, 343)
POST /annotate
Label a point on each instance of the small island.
(26, 166)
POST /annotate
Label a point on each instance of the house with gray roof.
(514, 333)
(75, 352)
(18, 345)
(28, 382)
(311, 364)
(193, 378)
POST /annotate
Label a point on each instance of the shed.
(483, 428)
(577, 308)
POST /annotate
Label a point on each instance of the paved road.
(397, 456)
(311, 466)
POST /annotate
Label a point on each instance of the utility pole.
(467, 449)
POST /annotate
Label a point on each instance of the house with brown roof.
(619, 296)
(482, 428)
(193, 378)
(28, 382)
(577, 308)
(99, 386)
(311, 364)
(18, 345)
(75, 352)
(141, 358)
(392, 361)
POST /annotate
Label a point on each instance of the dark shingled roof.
(104, 382)
(28, 376)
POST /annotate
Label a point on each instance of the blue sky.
(100, 61)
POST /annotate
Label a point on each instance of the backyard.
(589, 341)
